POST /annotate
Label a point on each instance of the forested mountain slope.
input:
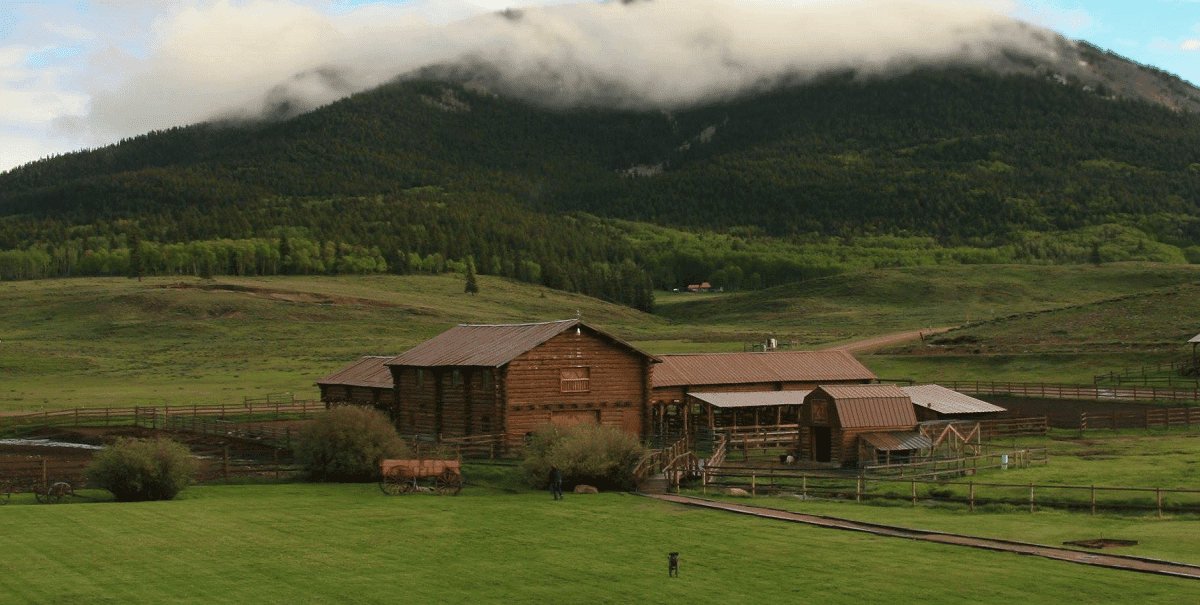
(933, 167)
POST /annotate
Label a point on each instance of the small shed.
(835, 417)
(935, 402)
(367, 381)
(1194, 342)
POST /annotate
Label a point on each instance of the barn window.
(456, 377)
(575, 380)
(420, 378)
(487, 379)
(820, 411)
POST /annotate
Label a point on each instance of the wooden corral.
(512, 378)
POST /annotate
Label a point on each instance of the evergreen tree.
(472, 285)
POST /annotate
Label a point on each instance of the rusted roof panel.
(897, 441)
(744, 368)
(752, 399)
(946, 401)
(491, 345)
(871, 405)
(366, 372)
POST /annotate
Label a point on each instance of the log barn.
(511, 378)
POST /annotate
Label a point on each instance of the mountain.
(939, 165)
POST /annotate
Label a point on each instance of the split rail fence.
(154, 416)
(973, 494)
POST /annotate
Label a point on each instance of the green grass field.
(121, 342)
(311, 543)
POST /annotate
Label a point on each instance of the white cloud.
(1190, 45)
(159, 64)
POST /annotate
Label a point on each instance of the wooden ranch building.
(365, 382)
(935, 402)
(512, 378)
(835, 417)
(683, 385)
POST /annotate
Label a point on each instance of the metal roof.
(945, 401)
(491, 345)
(871, 405)
(752, 399)
(897, 441)
(743, 368)
(1195, 338)
(366, 372)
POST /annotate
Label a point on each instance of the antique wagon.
(421, 475)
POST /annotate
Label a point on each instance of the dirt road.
(887, 339)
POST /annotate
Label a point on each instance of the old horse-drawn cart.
(405, 476)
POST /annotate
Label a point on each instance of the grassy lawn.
(304, 543)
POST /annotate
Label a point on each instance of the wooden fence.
(970, 493)
(152, 417)
(1128, 394)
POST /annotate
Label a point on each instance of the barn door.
(574, 417)
(822, 444)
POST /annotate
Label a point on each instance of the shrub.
(589, 454)
(137, 470)
(347, 443)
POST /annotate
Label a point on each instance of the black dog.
(673, 565)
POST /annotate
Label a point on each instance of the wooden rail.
(971, 493)
(150, 416)
(1130, 394)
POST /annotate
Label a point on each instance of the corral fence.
(155, 417)
(1041, 390)
(20, 473)
(916, 491)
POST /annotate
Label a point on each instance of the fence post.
(804, 486)
(1082, 423)
(858, 491)
(1093, 500)
(753, 485)
(972, 494)
(914, 492)
(1158, 498)
(1031, 498)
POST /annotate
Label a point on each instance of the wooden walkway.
(1082, 557)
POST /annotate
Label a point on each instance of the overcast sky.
(84, 73)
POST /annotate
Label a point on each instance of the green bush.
(137, 470)
(589, 454)
(347, 443)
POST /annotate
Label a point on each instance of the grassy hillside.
(123, 342)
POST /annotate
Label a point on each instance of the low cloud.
(213, 60)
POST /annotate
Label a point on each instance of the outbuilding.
(835, 418)
(365, 382)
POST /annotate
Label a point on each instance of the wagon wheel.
(63, 491)
(397, 482)
(449, 483)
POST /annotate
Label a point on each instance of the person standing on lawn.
(556, 482)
